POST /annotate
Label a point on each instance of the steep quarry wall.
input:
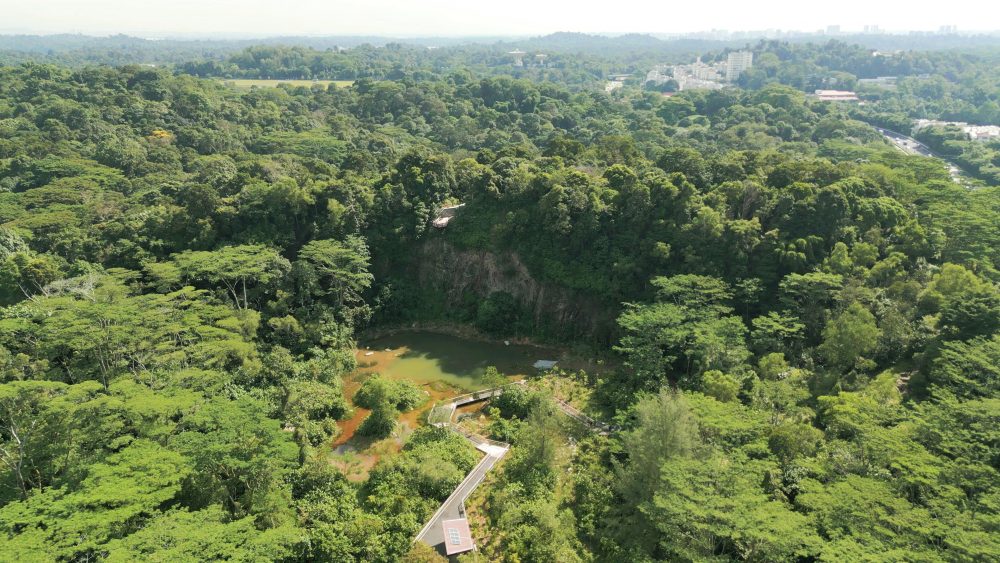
(441, 267)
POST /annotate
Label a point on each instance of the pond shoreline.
(457, 330)
(443, 361)
(573, 356)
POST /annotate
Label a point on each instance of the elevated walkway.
(453, 507)
(442, 416)
(597, 426)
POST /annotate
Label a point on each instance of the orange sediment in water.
(443, 366)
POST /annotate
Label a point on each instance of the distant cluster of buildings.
(975, 132)
(884, 82)
(702, 76)
(519, 58)
(830, 30)
(876, 30)
(695, 76)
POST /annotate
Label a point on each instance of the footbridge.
(442, 413)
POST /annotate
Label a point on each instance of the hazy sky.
(475, 17)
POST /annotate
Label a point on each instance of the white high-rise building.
(738, 62)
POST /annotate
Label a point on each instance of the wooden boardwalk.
(454, 506)
(595, 425)
(442, 415)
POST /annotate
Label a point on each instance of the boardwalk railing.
(442, 412)
(476, 438)
(575, 414)
(441, 415)
(453, 498)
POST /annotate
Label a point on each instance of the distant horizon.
(742, 33)
(470, 18)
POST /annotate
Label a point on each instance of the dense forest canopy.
(797, 323)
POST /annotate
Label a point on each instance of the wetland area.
(441, 365)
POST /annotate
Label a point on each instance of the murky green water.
(425, 357)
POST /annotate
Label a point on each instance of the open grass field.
(250, 82)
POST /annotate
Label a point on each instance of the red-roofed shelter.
(457, 537)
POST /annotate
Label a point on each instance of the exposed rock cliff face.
(453, 272)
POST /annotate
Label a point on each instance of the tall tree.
(234, 267)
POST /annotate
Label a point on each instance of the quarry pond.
(442, 365)
(426, 358)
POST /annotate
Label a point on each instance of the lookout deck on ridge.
(445, 215)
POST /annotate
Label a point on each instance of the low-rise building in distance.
(836, 96)
(884, 82)
(975, 132)
(615, 82)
